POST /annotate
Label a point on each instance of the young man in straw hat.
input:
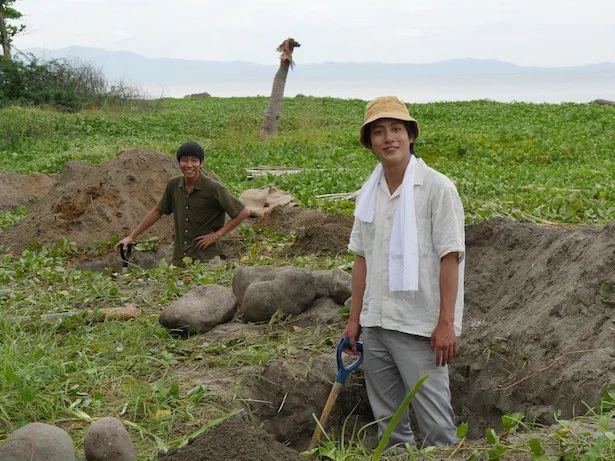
(407, 280)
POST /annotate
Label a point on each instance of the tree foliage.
(63, 84)
(11, 15)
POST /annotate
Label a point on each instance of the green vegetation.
(60, 84)
(537, 161)
(549, 163)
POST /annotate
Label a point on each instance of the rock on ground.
(244, 276)
(292, 290)
(38, 442)
(324, 311)
(201, 309)
(335, 283)
(108, 440)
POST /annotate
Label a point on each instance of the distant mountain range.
(133, 68)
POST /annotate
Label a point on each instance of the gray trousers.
(392, 363)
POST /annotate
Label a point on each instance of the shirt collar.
(419, 176)
(200, 183)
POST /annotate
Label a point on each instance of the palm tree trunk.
(274, 109)
(6, 48)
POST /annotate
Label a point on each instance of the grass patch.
(543, 162)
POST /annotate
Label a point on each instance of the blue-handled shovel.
(343, 372)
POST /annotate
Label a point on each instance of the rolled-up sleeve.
(448, 231)
(356, 239)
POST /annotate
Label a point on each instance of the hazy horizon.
(549, 33)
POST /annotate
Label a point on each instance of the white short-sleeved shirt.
(440, 225)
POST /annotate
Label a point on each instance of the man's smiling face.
(390, 141)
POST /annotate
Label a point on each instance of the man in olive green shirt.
(198, 204)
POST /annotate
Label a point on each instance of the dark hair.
(190, 149)
(410, 128)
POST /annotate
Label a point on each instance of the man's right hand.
(125, 242)
(352, 332)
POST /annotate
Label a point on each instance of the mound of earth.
(94, 202)
(539, 331)
(317, 233)
(233, 440)
(23, 190)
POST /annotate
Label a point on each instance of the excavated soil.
(284, 396)
(233, 440)
(23, 190)
(91, 203)
(539, 331)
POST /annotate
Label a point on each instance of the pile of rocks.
(258, 293)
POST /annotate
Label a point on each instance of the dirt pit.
(233, 440)
(23, 190)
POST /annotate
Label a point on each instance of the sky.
(541, 33)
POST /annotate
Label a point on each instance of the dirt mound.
(23, 190)
(538, 335)
(322, 234)
(94, 202)
(317, 233)
(233, 440)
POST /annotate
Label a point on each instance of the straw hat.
(385, 107)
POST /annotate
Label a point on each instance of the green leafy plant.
(396, 417)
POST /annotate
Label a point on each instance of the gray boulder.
(335, 283)
(38, 442)
(244, 276)
(324, 311)
(291, 289)
(201, 309)
(108, 440)
(341, 287)
(323, 280)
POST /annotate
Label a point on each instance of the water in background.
(552, 87)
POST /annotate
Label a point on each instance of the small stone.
(38, 442)
(108, 440)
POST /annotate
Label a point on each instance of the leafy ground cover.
(549, 163)
(538, 161)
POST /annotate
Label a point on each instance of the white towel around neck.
(404, 247)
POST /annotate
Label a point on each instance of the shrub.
(66, 85)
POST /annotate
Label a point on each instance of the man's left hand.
(444, 342)
(204, 241)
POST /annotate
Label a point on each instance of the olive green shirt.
(197, 213)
